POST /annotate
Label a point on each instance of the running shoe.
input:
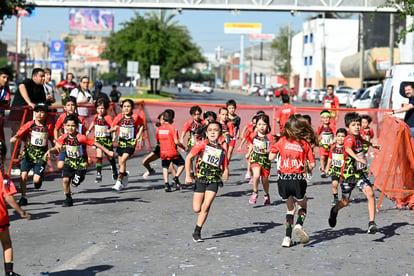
(323, 174)
(197, 237)
(372, 227)
(248, 175)
(98, 178)
(303, 237)
(266, 200)
(176, 183)
(23, 201)
(251, 180)
(167, 187)
(118, 186)
(125, 180)
(287, 242)
(253, 198)
(332, 218)
(148, 173)
(68, 202)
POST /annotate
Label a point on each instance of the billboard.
(57, 49)
(96, 20)
(242, 28)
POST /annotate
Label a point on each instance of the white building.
(340, 37)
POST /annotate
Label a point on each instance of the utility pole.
(391, 42)
(323, 52)
(361, 49)
(288, 54)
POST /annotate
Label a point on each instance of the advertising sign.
(57, 49)
(97, 20)
(57, 65)
(155, 72)
(85, 50)
(242, 28)
(261, 37)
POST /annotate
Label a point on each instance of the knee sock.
(8, 267)
(113, 164)
(289, 223)
(99, 164)
(301, 216)
(197, 229)
(121, 175)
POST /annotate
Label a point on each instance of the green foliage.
(405, 9)
(153, 39)
(281, 45)
(197, 77)
(8, 8)
(110, 76)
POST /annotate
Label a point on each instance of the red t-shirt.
(199, 148)
(6, 190)
(227, 129)
(326, 133)
(31, 127)
(166, 135)
(330, 101)
(284, 112)
(59, 123)
(105, 122)
(355, 143)
(293, 155)
(367, 134)
(135, 121)
(249, 131)
(74, 145)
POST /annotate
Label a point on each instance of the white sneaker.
(303, 237)
(125, 180)
(118, 186)
(287, 242)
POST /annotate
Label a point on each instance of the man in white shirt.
(82, 95)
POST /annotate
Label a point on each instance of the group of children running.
(210, 144)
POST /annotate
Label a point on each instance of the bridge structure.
(355, 6)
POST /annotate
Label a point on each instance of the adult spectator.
(408, 108)
(5, 74)
(66, 86)
(97, 93)
(31, 91)
(115, 94)
(82, 95)
(331, 102)
(49, 88)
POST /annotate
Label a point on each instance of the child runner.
(308, 119)
(227, 127)
(326, 133)
(7, 190)
(294, 150)
(191, 126)
(366, 131)
(154, 155)
(212, 167)
(284, 112)
(130, 128)
(247, 131)
(39, 131)
(69, 105)
(336, 161)
(235, 119)
(76, 158)
(167, 137)
(258, 154)
(331, 102)
(353, 171)
(102, 123)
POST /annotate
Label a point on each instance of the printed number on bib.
(73, 151)
(327, 105)
(259, 146)
(38, 139)
(212, 156)
(337, 159)
(126, 132)
(359, 165)
(101, 131)
(327, 139)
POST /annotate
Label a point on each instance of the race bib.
(38, 139)
(327, 139)
(327, 105)
(73, 151)
(259, 146)
(101, 131)
(212, 156)
(359, 165)
(126, 132)
(337, 159)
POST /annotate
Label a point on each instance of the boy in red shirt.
(192, 126)
(284, 112)
(326, 132)
(167, 137)
(226, 126)
(331, 102)
(366, 131)
(235, 119)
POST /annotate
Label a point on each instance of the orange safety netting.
(393, 166)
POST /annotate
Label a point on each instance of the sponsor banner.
(261, 37)
(242, 28)
(97, 20)
(86, 51)
(57, 49)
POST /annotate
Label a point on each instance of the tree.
(9, 8)
(281, 45)
(405, 9)
(153, 39)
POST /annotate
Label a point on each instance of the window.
(306, 39)
(310, 60)
(310, 38)
(305, 62)
(305, 82)
(310, 82)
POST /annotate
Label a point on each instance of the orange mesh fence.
(393, 166)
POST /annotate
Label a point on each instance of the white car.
(254, 90)
(343, 96)
(370, 98)
(200, 88)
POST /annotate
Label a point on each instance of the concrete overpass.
(251, 5)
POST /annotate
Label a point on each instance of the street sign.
(132, 68)
(239, 66)
(155, 72)
(57, 49)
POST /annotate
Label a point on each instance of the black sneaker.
(167, 187)
(115, 174)
(22, 201)
(372, 227)
(176, 183)
(332, 218)
(68, 202)
(197, 237)
(98, 178)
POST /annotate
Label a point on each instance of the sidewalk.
(145, 231)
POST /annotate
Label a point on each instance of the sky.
(206, 27)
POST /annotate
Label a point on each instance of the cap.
(98, 84)
(41, 106)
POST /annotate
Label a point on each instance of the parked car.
(254, 90)
(343, 87)
(313, 95)
(200, 88)
(305, 95)
(321, 95)
(370, 98)
(351, 98)
(359, 93)
(13, 87)
(342, 96)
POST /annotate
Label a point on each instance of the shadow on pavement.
(389, 231)
(261, 227)
(90, 271)
(329, 234)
